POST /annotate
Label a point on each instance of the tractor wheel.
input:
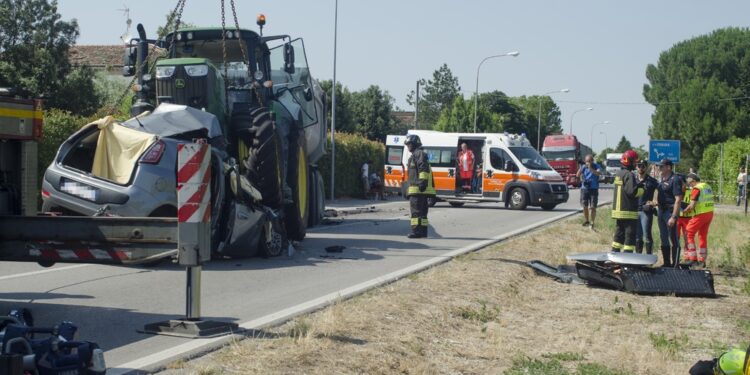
(296, 213)
(317, 198)
(263, 164)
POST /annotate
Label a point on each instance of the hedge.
(735, 151)
(351, 151)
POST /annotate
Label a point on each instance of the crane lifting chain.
(245, 58)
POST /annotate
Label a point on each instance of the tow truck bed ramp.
(73, 239)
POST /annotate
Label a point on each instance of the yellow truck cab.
(507, 169)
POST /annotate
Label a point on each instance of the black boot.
(414, 232)
(666, 253)
(639, 247)
(423, 231)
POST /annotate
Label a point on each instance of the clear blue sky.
(598, 49)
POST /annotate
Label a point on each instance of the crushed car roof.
(173, 119)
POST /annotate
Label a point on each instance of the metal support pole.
(416, 109)
(721, 172)
(333, 103)
(744, 191)
(539, 125)
(193, 293)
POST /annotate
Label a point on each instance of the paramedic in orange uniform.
(465, 166)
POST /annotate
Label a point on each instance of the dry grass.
(485, 313)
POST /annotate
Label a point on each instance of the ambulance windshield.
(530, 158)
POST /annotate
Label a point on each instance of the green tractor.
(270, 108)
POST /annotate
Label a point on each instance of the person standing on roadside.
(702, 209)
(588, 174)
(669, 194)
(365, 177)
(420, 186)
(646, 209)
(741, 183)
(625, 204)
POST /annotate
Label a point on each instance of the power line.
(615, 103)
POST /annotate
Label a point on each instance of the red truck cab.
(565, 154)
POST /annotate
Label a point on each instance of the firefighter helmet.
(413, 139)
(731, 362)
(628, 159)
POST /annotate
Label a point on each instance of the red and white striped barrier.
(193, 183)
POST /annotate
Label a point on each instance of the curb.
(198, 347)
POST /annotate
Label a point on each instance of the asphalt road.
(111, 303)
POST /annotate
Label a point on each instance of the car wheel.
(456, 204)
(276, 244)
(548, 207)
(518, 199)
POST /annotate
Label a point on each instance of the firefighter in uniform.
(625, 204)
(420, 186)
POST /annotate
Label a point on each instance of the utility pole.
(416, 109)
(333, 104)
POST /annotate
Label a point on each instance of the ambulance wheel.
(549, 207)
(518, 199)
(431, 201)
(456, 204)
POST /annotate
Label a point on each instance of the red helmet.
(629, 158)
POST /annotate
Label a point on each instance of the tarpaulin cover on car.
(118, 150)
(173, 119)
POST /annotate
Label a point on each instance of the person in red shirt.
(465, 166)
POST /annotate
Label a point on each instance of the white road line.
(34, 273)
(157, 360)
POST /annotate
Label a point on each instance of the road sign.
(664, 149)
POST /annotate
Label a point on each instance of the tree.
(550, 123)
(693, 87)
(371, 114)
(623, 145)
(344, 120)
(34, 44)
(168, 27)
(436, 95)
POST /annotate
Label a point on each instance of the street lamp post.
(591, 137)
(476, 91)
(573, 114)
(606, 142)
(539, 117)
(333, 102)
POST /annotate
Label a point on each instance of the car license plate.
(79, 190)
(559, 196)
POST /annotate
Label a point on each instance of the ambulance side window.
(497, 159)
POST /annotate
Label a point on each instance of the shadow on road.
(100, 324)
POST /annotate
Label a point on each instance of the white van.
(512, 172)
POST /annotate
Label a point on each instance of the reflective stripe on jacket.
(705, 199)
(625, 203)
(419, 169)
(685, 203)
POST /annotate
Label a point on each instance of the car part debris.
(562, 273)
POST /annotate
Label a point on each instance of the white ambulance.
(508, 169)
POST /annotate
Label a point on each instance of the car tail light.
(45, 194)
(153, 155)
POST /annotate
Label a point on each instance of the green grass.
(668, 345)
(529, 366)
(482, 314)
(565, 356)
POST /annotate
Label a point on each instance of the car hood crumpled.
(172, 119)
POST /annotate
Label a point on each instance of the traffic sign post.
(659, 150)
(194, 242)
